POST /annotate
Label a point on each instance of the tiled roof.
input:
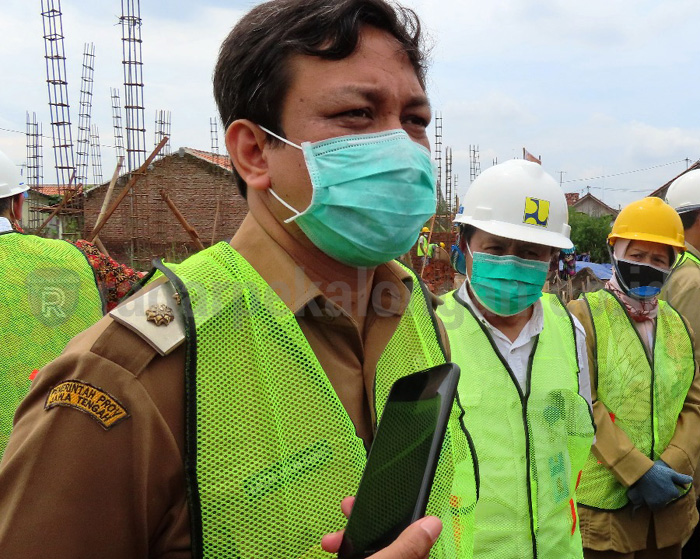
(222, 161)
(50, 189)
(571, 198)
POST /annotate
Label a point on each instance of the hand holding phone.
(398, 477)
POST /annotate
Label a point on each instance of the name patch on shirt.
(98, 404)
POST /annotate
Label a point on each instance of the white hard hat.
(684, 193)
(10, 180)
(518, 200)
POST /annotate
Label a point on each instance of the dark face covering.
(641, 281)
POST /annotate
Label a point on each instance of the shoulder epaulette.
(156, 316)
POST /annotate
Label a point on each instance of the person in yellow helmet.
(635, 494)
(423, 247)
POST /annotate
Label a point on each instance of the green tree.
(590, 234)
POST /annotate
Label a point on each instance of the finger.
(414, 542)
(331, 542)
(346, 505)
(681, 479)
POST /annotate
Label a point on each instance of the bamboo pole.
(135, 176)
(105, 202)
(216, 215)
(181, 218)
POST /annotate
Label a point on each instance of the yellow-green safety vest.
(422, 249)
(531, 442)
(688, 256)
(271, 451)
(48, 294)
(644, 396)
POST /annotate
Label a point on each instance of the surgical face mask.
(506, 285)
(371, 194)
(641, 281)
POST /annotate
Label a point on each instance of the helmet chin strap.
(13, 218)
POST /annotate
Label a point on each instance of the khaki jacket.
(625, 530)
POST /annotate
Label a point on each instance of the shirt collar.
(5, 225)
(391, 286)
(532, 328)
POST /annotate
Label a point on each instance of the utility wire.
(626, 173)
(51, 138)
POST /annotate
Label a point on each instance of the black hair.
(252, 76)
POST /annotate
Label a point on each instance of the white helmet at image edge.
(518, 200)
(684, 193)
(10, 179)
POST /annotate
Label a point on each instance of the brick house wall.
(194, 181)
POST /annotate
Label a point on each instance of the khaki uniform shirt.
(626, 530)
(683, 290)
(71, 489)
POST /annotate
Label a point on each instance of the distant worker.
(50, 290)
(423, 248)
(524, 384)
(439, 253)
(635, 494)
(682, 290)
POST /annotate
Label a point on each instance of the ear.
(245, 142)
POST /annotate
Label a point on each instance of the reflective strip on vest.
(687, 255)
(626, 381)
(49, 295)
(272, 450)
(531, 444)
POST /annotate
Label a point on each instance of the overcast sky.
(606, 92)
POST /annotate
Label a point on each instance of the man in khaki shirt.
(683, 287)
(94, 467)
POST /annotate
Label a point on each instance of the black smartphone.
(398, 476)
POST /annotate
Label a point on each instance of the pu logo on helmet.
(536, 212)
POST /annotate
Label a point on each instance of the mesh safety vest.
(422, 249)
(271, 451)
(644, 397)
(687, 255)
(48, 295)
(531, 443)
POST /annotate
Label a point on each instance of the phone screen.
(396, 482)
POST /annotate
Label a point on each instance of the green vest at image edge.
(271, 451)
(48, 294)
(644, 396)
(531, 442)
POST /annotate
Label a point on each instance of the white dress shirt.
(5, 225)
(517, 353)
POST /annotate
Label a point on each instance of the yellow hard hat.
(425, 230)
(442, 245)
(649, 219)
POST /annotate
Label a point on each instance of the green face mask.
(506, 285)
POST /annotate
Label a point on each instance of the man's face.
(482, 241)
(373, 90)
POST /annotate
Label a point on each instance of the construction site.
(164, 202)
(157, 202)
